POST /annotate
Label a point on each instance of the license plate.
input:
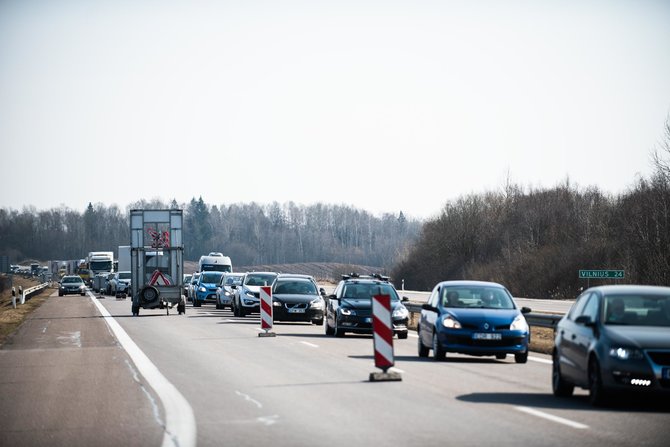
(296, 311)
(486, 336)
(665, 373)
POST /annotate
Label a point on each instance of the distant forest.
(250, 234)
(534, 241)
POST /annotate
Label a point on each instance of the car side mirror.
(233, 286)
(332, 297)
(525, 310)
(585, 320)
(427, 306)
(404, 299)
(322, 291)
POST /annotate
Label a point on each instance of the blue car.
(474, 318)
(205, 288)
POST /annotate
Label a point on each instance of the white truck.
(216, 262)
(156, 260)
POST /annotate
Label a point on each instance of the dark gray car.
(613, 339)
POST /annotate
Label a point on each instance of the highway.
(302, 388)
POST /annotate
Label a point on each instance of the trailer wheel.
(149, 294)
(136, 311)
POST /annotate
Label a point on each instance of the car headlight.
(227, 293)
(202, 289)
(347, 311)
(276, 304)
(249, 293)
(519, 324)
(316, 303)
(626, 353)
(451, 323)
(400, 312)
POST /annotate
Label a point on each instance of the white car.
(248, 295)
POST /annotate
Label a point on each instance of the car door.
(428, 318)
(584, 336)
(567, 339)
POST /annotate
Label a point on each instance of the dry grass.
(10, 318)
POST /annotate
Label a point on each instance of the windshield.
(101, 266)
(260, 279)
(233, 280)
(476, 297)
(216, 268)
(637, 310)
(210, 277)
(295, 287)
(124, 275)
(367, 291)
(71, 280)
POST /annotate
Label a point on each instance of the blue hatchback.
(474, 318)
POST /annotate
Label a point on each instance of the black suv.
(349, 308)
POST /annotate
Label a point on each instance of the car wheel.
(318, 322)
(60, 294)
(521, 358)
(423, 350)
(559, 386)
(329, 329)
(241, 313)
(597, 395)
(338, 332)
(403, 335)
(136, 311)
(438, 351)
(501, 356)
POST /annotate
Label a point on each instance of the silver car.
(225, 292)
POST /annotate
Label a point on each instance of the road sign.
(601, 274)
(382, 329)
(266, 312)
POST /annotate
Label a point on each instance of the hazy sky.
(383, 105)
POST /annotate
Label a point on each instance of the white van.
(215, 262)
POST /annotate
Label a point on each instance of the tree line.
(250, 233)
(535, 241)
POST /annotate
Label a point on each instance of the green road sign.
(601, 274)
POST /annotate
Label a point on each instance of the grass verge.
(10, 318)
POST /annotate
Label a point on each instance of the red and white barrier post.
(382, 328)
(266, 312)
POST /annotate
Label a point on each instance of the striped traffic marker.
(266, 312)
(382, 329)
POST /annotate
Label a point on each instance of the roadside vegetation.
(10, 318)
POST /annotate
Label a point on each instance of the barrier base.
(385, 377)
(267, 334)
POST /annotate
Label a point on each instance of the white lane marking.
(398, 370)
(311, 345)
(268, 420)
(249, 399)
(540, 360)
(180, 428)
(412, 335)
(551, 417)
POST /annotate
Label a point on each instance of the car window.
(260, 279)
(210, 277)
(367, 291)
(481, 297)
(636, 309)
(590, 308)
(295, 288)
(434, 297)
(576, 308)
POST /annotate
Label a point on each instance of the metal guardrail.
(27, 293)
(533, 318)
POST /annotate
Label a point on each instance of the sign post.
(382, 329)
(588, 275)
(266, 312)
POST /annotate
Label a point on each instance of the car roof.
(470, 283)
(71, 276)
(616, 289)
(294, 276)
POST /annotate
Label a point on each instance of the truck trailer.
(156, 260)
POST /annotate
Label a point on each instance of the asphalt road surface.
(300, 388)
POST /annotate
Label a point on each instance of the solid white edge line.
(540, 360)
(552, 418)
(311, 345)
(180, 427)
